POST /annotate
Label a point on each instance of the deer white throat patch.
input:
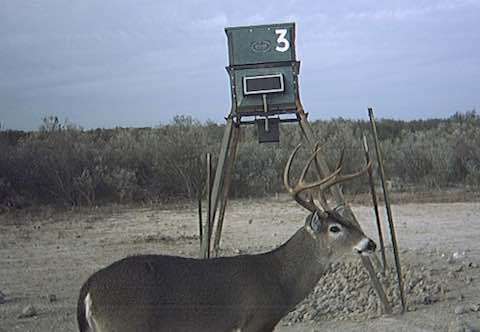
(89, 313)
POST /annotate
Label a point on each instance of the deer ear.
(316, 222)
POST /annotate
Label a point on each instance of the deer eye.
(334, 229)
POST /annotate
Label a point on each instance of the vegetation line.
(62, 164)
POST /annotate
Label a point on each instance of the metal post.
(207, 232)
(375, 204)
(387, 207)
(265, 110)
(200, 224)
(226, 188)
(338, 196)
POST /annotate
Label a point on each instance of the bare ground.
(53, 253)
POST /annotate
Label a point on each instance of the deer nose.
(365, 246)
(371, 246)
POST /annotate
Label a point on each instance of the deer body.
(241, 293)
(248, 293)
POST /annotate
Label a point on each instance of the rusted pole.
(387, 207)
(200, 224)
(375, 204)
(226, 189)
(207, 232)
(338, 196)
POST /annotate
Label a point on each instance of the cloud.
(217, 21)
(417, 11)
(95, 59)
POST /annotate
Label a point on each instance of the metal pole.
(206, 237)
(226, 189)
(387, 207)
(200, 224)
(338, 196)
(265, 110)
(375, 204)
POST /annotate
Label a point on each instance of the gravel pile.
(345, 292)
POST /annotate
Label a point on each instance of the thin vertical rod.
(265, 109)
(387, 207)
(338, 196)
(226, 189)
(375, 203)
(200, 224)
(206, 238)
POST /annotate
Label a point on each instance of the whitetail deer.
(243, 293)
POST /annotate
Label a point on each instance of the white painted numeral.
(283, 43)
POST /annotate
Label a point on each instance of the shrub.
(63, 164)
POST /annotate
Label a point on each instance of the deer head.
(332, 231)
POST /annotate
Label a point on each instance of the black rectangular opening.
(262, 84)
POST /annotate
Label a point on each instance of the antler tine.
(319, 146)
(321, 199)
(322, 184)
(286, 171)
(302, 185)
(309, 162)
(309, 205)
(348, 177)
(340, 161)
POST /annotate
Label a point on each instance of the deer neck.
(302, 261)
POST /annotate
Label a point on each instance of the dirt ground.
(45, 257)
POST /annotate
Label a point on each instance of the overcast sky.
(139, 63)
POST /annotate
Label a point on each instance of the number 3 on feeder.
(281, 40)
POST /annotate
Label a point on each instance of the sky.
(139, 63)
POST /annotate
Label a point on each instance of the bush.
(63, 164)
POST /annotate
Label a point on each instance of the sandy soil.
(53, 253)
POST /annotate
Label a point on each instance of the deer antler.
(322, 184)
(301, 184)
(344, 178)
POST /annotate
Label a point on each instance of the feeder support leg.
(226, 188)
(218, 183)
